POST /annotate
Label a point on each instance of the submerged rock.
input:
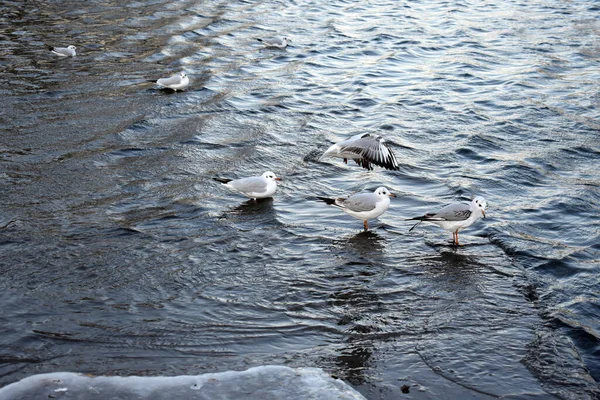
(259, 383)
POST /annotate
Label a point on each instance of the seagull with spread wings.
(366, 150)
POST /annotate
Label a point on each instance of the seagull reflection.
(456, 260)
(455, 272)
(367, 245)
(259, 211)
(252, 206)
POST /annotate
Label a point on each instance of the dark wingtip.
(415, 225)
(259, 39)
(326, 200)
(49, 47)
(222, 180)
(363, 162)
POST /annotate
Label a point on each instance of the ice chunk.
(258, 383)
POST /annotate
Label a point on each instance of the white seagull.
(179, 81)
(254, 187)
(279, 43)
(363, 206)
(68, 51)
(366, 150)
(455, 217)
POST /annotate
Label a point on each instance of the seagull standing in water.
(254, 187)
(455, 217)
(363, 206)
(366, 150)
(279, 43)
(179, 81)
(68, 51)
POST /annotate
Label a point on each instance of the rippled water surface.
(120, 255)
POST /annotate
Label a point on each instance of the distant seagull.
(366, 150)
(68, 51)
(363, 206)
(279, 43)
(179, 81)
(255, 187)
(455, 217)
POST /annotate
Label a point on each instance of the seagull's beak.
(483, 212)
(392, 195)
(277, 179)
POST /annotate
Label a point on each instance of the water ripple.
(120, 250)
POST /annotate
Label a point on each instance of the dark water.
(120, 255)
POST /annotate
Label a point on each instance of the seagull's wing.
(452, 212)
(173, 80)
(255, 184)
(360, 202)
(371, 149)
(62, 51)
(277, 42)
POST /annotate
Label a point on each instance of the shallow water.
(120, 254)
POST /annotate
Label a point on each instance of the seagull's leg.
(345, 161)
(456, 241)
(366, 225)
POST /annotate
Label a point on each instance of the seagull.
(366, 150)
(363, 206)
(279, 43)
(68, 51)
(455, 217)
(176, 82)
(254, 187)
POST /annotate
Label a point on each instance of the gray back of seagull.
(453, 212)
(361, 202)
(253, 184)
(173, 80)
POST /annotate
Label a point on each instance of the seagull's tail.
(415, 225)
(327, 200)
(223, 181)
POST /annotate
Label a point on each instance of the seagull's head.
(481, 204)
(71, 47)
(383, 192)
(182, 74)
(270, 176)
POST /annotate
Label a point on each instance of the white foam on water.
(258, 383)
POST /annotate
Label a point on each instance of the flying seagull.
(366, 150)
